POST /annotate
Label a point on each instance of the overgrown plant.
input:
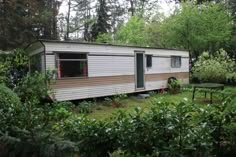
(86, 107)
(13, 67)
(116, 100)
(214, 68)
(173, 86)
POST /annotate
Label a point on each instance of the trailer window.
(175, 61)
(71, 65)
(149, 61)
(36, 63)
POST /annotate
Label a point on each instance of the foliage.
(107, 101)
(9, 107)
(116, 100)
(166, 130)
(101, 25)
(24, 21)
(197, 28)
(34, 86)
(31, 127)
(60, 111)
(104, 38)
(36, 131)
(94, 138)
(133, 32)
(14, 66)
(173, 86)
(209, 68)
(86, 107)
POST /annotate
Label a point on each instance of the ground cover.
(102, 111)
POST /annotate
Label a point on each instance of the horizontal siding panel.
(92, 81)
(110, 66)
(50, 62)
(159, 65)
(90, 92)
(153, 85)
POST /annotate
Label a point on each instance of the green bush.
(107, 101)
(215, 68)
(9, 106)
(116, 100)
(167, 129)
(13, 67)
(173, 86)
(94, 138)
(34, 87)
(85, 107)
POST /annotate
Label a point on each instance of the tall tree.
(231, 47)
(118, 12)
(102, 24)
(25, 20)
(140, 7)
(133, 32)
(83, 18)
(197, 28)
(68, 20)
(51, 7)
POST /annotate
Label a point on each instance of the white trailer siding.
(64, 94)
(110, 65)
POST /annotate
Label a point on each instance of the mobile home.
(87, 70)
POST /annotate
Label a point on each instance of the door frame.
(135, 69)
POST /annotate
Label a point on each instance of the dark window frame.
(59, 60)
(148, 61)
(174, 60)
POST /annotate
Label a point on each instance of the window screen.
(149, 61)
(72, 65)
(175, 61)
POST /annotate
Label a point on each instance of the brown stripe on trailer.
(109, 80)
(165, 76)
(92, 81)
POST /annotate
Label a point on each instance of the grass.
(101, 111)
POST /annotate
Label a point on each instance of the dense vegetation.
(218, 68)
(166, 129)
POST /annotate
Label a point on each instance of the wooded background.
(195, 25)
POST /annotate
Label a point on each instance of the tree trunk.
(68, 21)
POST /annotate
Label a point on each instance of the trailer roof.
(106, 44)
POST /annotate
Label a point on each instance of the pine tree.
(23, 21)
(102, 25)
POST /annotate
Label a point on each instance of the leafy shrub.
(173, 86)
(210, 68)
(94, 138)
(116, 100)
(167, 129)
(86, 107)
(13, 67)
(34, 87)
(107, 101)
(9, 106)
(231, 78)
(152, 93)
